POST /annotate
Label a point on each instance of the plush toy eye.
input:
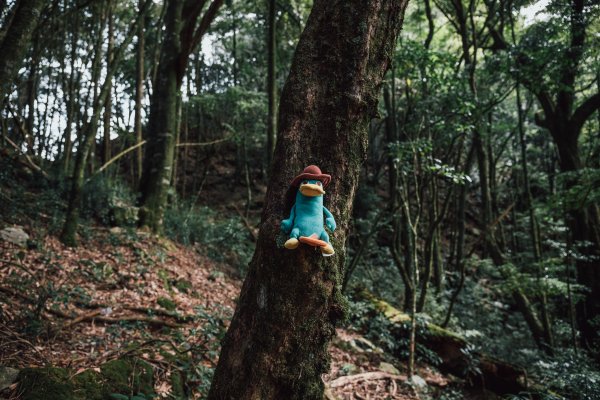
(304, 182)
(319, 183)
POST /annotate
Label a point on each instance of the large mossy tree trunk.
(160, 150)
(276, 346)
(183, 33)
(565, 122)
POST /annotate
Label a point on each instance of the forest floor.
(126, 293)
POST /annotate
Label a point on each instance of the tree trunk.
(276, 346)
(32, 89)
(108, 106)
(139, 93)
(72, 88)
(16, 40)
(160, 150)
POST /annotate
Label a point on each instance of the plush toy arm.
(287, 224)
(329, 220)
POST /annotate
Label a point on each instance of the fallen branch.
(124, 318)
(164, 313)
(365, 376)
(29, 162)
(203, 143)
(81, 318)
(94, 315)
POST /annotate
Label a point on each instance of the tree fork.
(276, 346)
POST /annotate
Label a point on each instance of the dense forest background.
(135, 152)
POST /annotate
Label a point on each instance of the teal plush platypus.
(308, 216)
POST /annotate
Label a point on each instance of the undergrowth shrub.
(28, 198)
(391, 337)
(222, 238)
(102, 195)
(572, 374)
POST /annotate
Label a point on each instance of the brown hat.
(312, 172)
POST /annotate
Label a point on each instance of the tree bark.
(15, 41)
(276, 346)
(158, 162)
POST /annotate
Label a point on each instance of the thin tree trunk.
(139, 93)
(460, 237)
(533, 225)
(71, 102)
(108, 106)
(32, 96)
(276, 346)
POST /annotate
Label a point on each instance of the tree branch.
(584, 111)
(207, 19)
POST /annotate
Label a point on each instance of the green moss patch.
(166, 303)
(126, 376)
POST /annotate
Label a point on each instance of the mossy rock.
(46, 384)
(128, 375)
(123, 376)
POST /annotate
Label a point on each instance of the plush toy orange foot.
(291, 243)
(327, 250)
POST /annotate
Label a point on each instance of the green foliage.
(221, 238)
(29, 198)
(139, 396)
(416, 157)
(581, 189)
(572, 374)
(108, 200)
(41, 291)
(166, 303)
(198, 350)
(240, 114)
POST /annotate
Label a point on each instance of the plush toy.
(305, 224)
